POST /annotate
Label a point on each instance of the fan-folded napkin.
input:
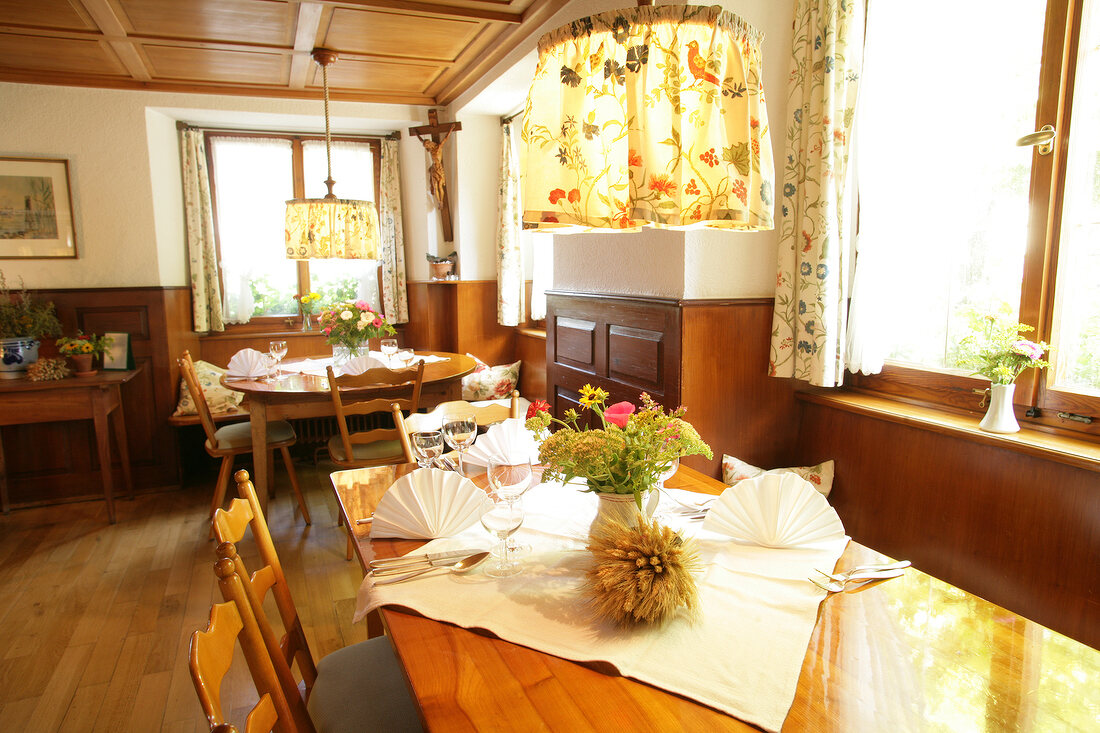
(428, 503)
(506, 441)
(743, 656)
(358, 365)
(249, 363)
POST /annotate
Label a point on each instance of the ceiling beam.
(305, 38)
(104, 16)
(448, 11)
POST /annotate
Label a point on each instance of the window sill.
(1062, 449)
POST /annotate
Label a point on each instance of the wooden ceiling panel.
(399, 34)
(54, 14)
(380, 76)
(41, 53)
(257, 22)
(181, 63)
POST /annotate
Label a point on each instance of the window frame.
(1042, 403)
(296, 140)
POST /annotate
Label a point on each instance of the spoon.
(845, 576)
(464, 565)
(859, 579)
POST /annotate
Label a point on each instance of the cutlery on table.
(699, 508)
(464, 565)
(368, 520)
(847, 574)
(858, 579)
(411, 567)
(388, 562)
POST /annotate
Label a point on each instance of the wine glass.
(406, 357)
(277, 350)
(510, 480)
(501, 518)
(428, 445)
(389, 348)
(459, 430)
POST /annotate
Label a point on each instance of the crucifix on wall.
(434, 136)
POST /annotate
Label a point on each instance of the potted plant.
(82, 349)
(350, 326)
(999, 352)
(22, 323)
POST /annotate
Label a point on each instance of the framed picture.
(36, 209)
(119, 355)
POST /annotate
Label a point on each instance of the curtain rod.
(509, 118)
(395, 135)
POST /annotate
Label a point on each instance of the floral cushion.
(490, 383)
(218, 398)
(821, 475)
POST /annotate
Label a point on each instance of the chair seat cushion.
(238, 436)
(362, 687)
(376, 451)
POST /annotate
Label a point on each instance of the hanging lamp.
(330, 227)
(648, 116)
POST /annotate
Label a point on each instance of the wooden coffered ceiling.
(400, 52)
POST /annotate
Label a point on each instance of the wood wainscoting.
(709, 355)
(54, 462)
(1016, 529)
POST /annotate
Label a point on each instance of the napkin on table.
(358, 365)
(508, 441)
(248, 363)
(428, 503)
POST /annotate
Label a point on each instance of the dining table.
(299, 389)
(908, 653)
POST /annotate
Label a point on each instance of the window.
(962, 220)
(252, 177)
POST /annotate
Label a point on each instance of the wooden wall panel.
(531, 350)
(1014, 529)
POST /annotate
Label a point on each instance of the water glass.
(459, 430)
(510, 479)
(428, 446)
(389, 348)
(501, 519)
(277, 350)
(406, 357)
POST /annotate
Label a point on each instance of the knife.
(438, 562)
(389, 562)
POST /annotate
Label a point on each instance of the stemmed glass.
(406, 357)
(510, 480)
(501, 518)
(277, 350)
(459, 430)
(389, 348)
(428, 445)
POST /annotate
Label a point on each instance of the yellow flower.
(592, 395)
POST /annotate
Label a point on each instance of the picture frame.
(36, 209)
(119, 355)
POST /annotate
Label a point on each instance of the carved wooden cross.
(437, 180)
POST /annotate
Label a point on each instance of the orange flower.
(550, 219)
(661, 184)
(754, 123)
(622, 219)
(574, 196)
(697, 214)
(634, 160)
(556, 195)
(809, 241)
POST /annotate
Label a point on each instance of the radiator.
(315, 431)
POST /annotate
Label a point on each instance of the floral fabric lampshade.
(331, 228)
(649, 116)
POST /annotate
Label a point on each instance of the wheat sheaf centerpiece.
(642, 571)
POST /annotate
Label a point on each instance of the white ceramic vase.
(1000, 418)
(623, 508)
(18, 354)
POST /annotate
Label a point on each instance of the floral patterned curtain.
(206, 294)
(510, 280)
(395, 301)
(808, 326)
(650, 115)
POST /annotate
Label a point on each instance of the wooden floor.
(95, 619)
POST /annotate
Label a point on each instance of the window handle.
(1043, 138)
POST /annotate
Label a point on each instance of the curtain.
(542, 271)
(650, 115)
(808, 325)
(510, 279)
(395, 300)
(206, 293)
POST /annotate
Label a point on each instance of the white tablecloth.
(743, 656)
(317, 366)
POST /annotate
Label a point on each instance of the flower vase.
(307, 322)
(622, 508)
(82, 365)
(18, 354)
(343, 354)
(1000, 418)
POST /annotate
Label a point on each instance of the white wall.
(124, 166)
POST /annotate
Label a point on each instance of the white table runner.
(743, 656)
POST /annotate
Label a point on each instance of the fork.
(845, 576)
(859, 579)
(700, 508)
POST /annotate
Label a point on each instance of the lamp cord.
(328, 135)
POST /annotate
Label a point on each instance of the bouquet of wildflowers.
(998, 351)
(83, 344)
(351, 323)
(306, 303)
(626, 455)
(21, 317)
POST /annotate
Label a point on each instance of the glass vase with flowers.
(82, 349)
(623, 458)
(350, 326)
(306, 304)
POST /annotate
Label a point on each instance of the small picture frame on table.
(119, 355)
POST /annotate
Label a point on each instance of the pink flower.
(362, 305)
(1030, 349)
(378, 322)
(619, 413)
(327, 330)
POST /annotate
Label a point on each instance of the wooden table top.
(296, 385)
(103, 377)
(913, 653)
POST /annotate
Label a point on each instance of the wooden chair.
(211, 656)
(381, 446)
(358, 686)
(485, 413)
(235, 439)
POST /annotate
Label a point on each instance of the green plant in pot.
(22, 323)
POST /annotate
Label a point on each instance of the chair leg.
(294, 484)
(350, 540)
(219, 489)
(270, 458)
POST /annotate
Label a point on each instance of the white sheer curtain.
(252, 182)
(206, 295)
(510, 276)
(394, 298)
(542, 271)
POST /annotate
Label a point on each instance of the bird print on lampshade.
(698, 65)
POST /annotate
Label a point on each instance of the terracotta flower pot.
(82, 365)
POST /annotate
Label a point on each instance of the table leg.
(103, 444)
(119, 422)
(257, 411)
(3, 482)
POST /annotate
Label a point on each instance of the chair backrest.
(191, 379)
(211, 656)
(229, 529)
(484, 414)
(375, 391)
